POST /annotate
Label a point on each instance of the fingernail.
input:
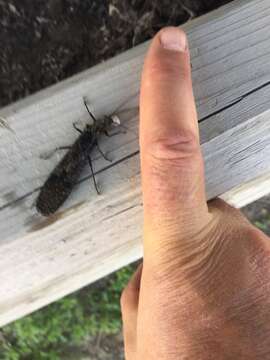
(174, 39)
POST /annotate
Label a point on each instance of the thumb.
(175, 206)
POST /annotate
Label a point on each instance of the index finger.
(171, 159)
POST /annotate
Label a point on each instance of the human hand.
(203, 291)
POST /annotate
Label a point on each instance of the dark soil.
(45, 41)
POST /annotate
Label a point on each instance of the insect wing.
(64, 177)
(53, 194)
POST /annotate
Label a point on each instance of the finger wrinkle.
(178, 146)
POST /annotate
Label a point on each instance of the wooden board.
(91, 236)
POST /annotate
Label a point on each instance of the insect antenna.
(119, 108)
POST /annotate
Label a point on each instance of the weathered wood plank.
(45, 259)
(248, 192)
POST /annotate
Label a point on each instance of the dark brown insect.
(66, 174)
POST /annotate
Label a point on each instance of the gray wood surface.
(91, 236)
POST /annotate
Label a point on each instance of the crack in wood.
(234, 102)
(134, 153)
(121, 212)
(14, 202)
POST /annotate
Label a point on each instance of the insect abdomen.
(64, 177)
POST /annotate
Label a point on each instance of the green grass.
(48, 332)
(264, 225)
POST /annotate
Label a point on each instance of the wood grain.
(91, 236)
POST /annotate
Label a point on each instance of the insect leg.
(114, 134)
(63, 148)
(76, 128)
(102, 153)
(89, 112)
(92, 171)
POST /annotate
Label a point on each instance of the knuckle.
(176, 162)
(181, 150)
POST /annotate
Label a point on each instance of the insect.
(65, 175)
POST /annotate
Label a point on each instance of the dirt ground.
(45, 41)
